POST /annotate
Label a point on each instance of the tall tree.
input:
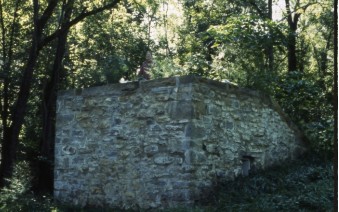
(39, 41)
(292, 20)
(293, 15)
(49, 100)
(265, 12)
(7, 42)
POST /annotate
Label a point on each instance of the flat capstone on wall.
(162, 143)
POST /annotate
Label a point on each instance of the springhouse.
(162, 143)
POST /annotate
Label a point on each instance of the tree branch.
(46, 14)
(12, 35)
(256, 7)
(3, 31)
(289, 12)
(76, 20)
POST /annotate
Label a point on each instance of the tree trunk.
(270, 50)
(291, 52)
(267, 15)
(45, 176)
(11, 134)
(49, 112)
(292, 19)
(7, 57)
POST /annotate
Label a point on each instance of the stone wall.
(163, 143)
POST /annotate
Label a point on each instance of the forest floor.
(303, 185)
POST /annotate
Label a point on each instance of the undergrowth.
(19, 197)
(301, 185)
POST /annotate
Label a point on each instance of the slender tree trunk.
(11, 134)
(291, 52)
(266, 15)
(165, 16)
(270, 51)
(49, 113)
(292, 19)
(45, 176)
(335, 99)
(323, 55)
(7, 55)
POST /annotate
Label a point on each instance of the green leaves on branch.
(247, 32)
(305, 100)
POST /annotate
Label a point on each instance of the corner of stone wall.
(301, 139)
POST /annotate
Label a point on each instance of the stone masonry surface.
(162, 143)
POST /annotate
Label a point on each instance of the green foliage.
(20, 182)
(322, 135)
(18, 197)
(247, 31)
(300, 186)
(104, 49)
(165, 67)
(309, 104)
(238, 41)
